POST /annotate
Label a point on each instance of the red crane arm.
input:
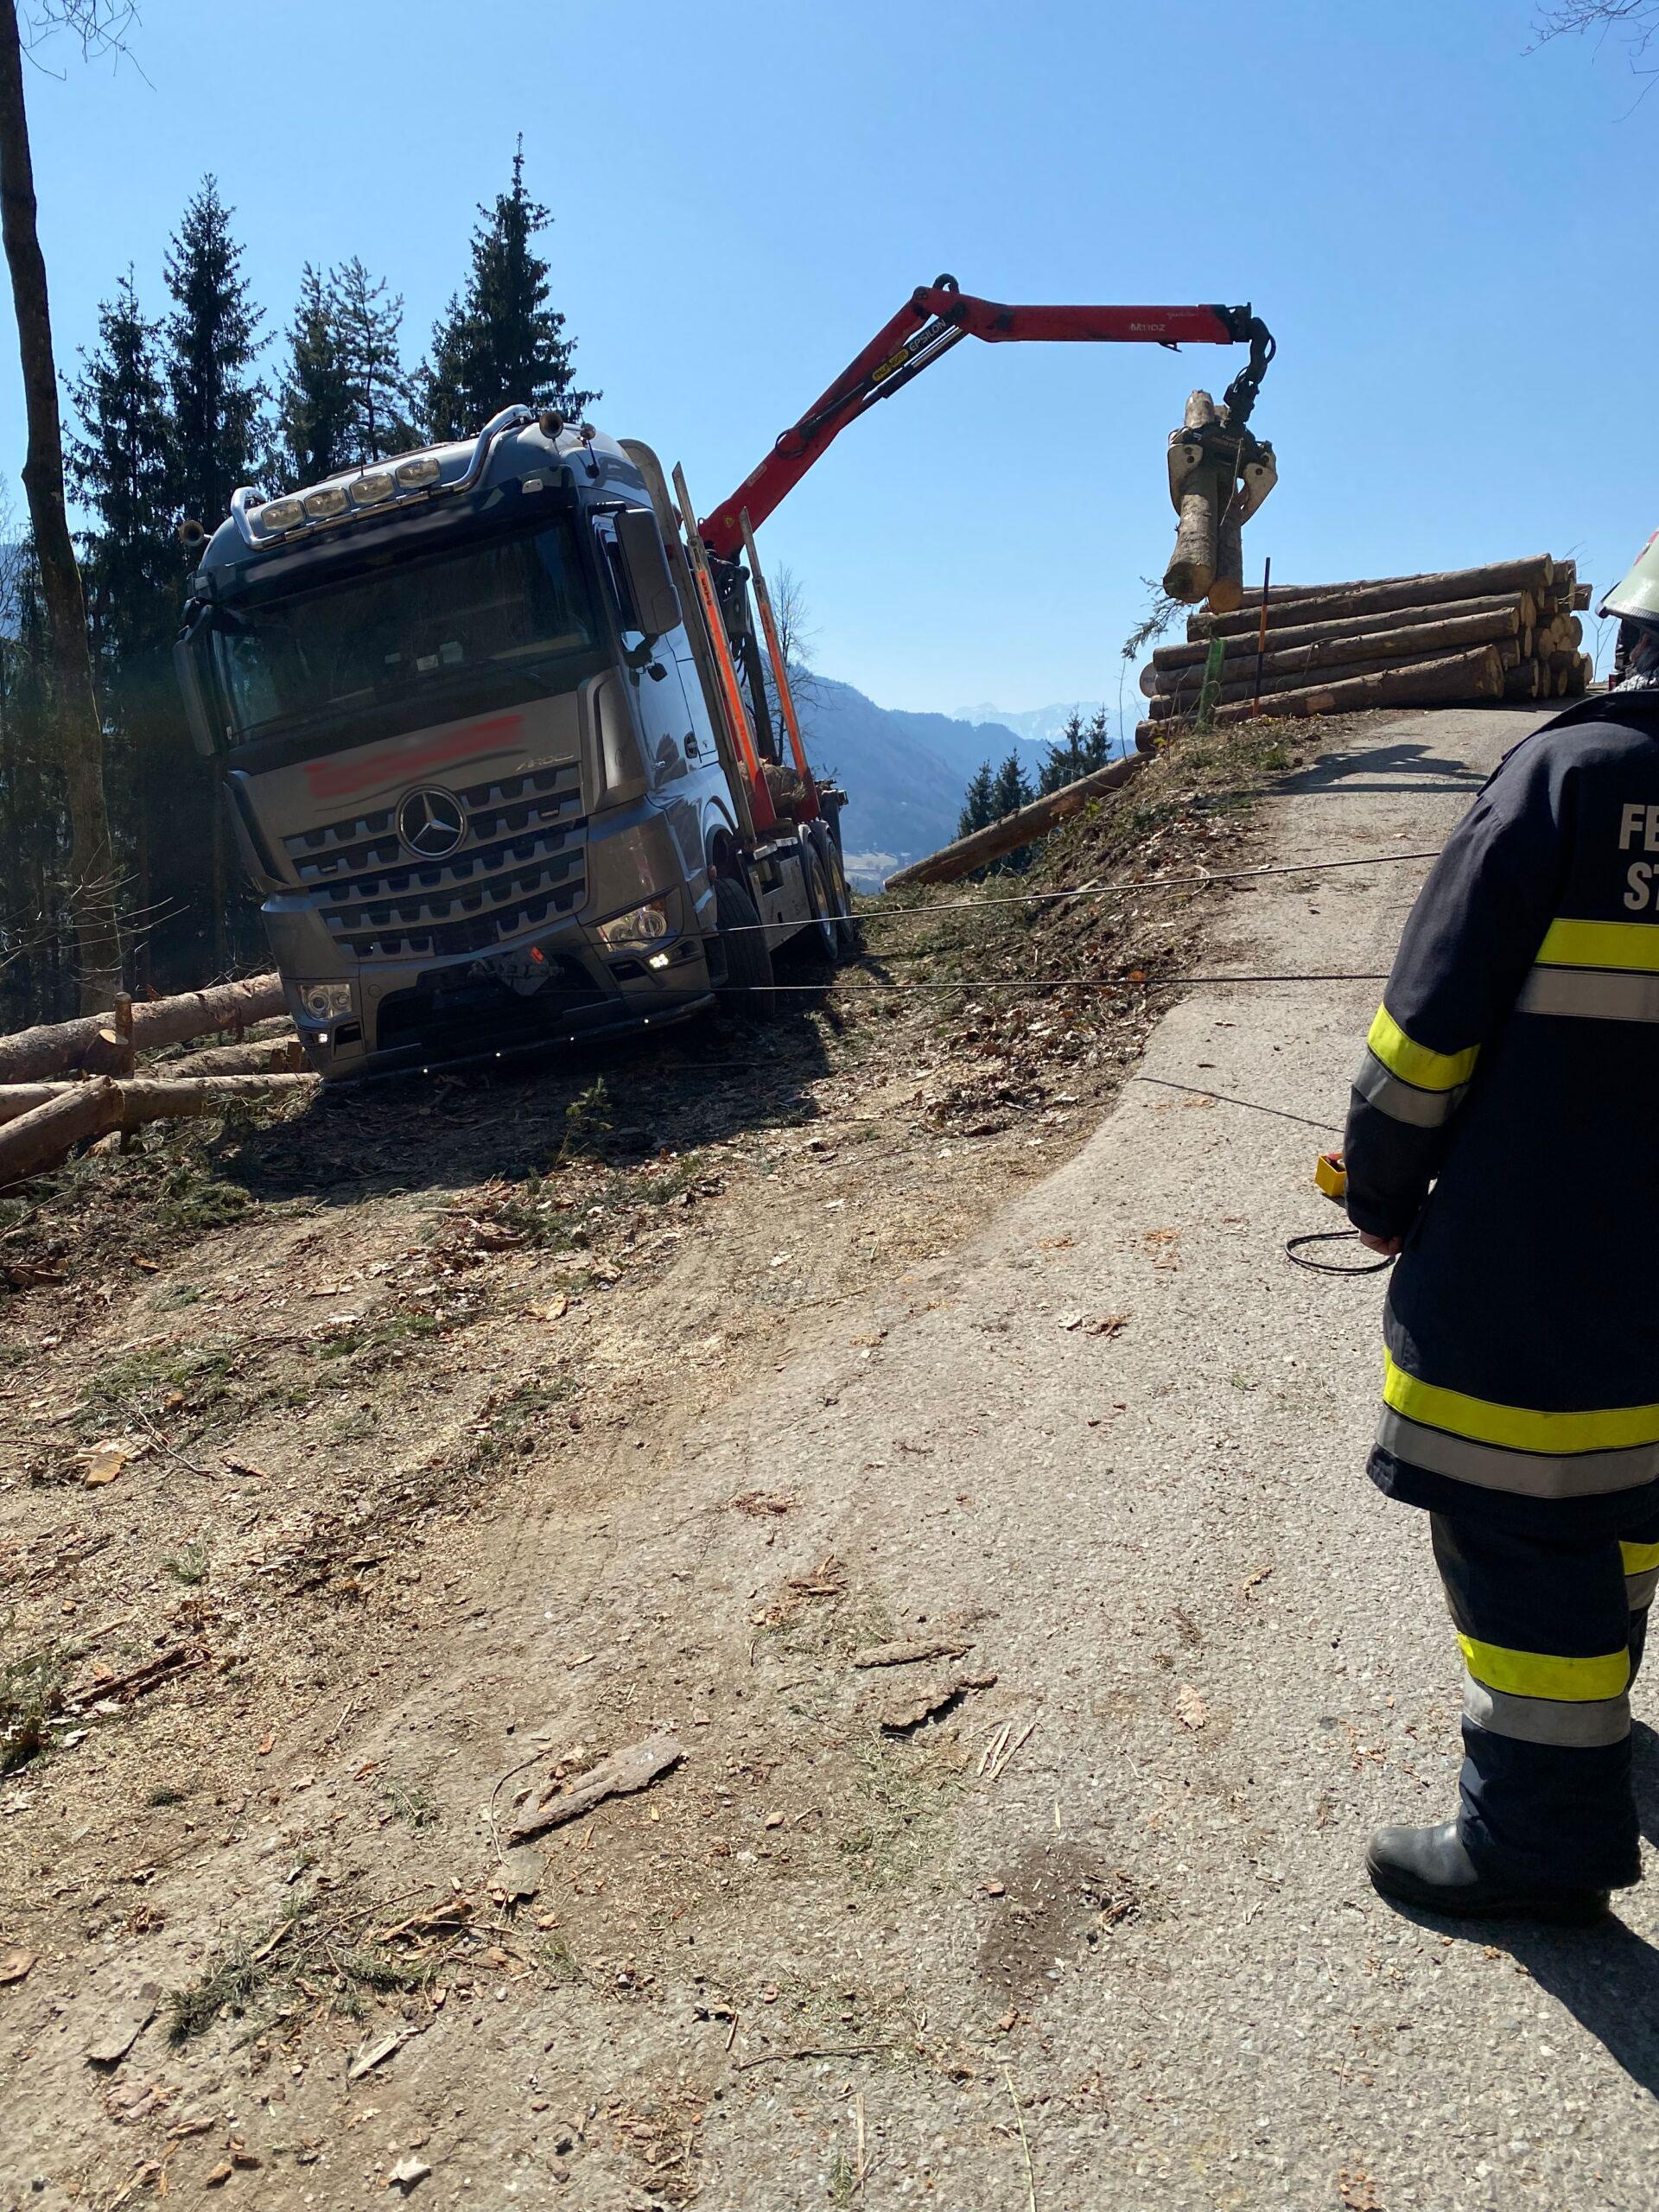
(935, 318)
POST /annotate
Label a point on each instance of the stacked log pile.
(1508, 631)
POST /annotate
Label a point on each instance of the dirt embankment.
(314, 1432)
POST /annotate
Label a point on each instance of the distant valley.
(905, 773)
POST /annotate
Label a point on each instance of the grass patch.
(553, 1954)
(32, 1691)
(190, 1564)
(193, 1197)
(902, 1791)
(511, 1427)
(198, 1375)
(231, 1982)
(408, 1803)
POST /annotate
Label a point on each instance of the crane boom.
(935, 318)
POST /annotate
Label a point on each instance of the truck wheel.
(748, 956)
(848, 942)
(824, 933)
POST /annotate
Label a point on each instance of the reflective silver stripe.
(1581, 1722)
(1403, 1101)
(1639, 1589)
(1532, 1474)
(1593, 994)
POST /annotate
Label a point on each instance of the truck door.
(672, 744)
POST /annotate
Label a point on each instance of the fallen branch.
(620, 1775)
(817, 2050)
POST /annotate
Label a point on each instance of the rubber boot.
(1430, 1868)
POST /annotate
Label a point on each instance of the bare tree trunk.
(81, 734)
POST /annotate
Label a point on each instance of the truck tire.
(848, 944)
(822, 934)
(748, 956)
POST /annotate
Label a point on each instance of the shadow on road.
(1395, 769)
(1606, 1976)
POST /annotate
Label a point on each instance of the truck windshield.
(414, 642)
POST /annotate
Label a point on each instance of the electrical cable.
(1293, 1253)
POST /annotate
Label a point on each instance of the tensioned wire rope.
(1107, 890)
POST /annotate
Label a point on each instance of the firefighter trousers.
(1551, 1629)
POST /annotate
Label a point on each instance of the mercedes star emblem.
(431, 823)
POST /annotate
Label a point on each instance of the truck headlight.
(281, 514)
(325, 1002)
(638, 927)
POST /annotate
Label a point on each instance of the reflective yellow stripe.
(1516, 1429)
(1541, 1674)
(1414, 1063)
(1639, 1558)
(1601, 945)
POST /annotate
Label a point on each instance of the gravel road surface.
(1233, 1652)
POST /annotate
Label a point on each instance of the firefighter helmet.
(1634, 598)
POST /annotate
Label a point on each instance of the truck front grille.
(522, 862)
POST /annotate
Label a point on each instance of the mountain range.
(905, 773)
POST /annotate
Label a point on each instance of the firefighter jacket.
(1513, 1067)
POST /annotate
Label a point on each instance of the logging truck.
(506, 734)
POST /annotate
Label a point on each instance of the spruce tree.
(380, 392)
(214, 342)
(1061, 759)
(1080, 749)
(499, 341)
(314, 402)
(120, 464)
(1012, 789)
(976, 805)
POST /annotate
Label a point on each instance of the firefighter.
(1513, 1065)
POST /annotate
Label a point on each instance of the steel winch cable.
(1110, 890)
(1130, 983)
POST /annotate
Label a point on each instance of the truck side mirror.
(650, 585)
(190, 690)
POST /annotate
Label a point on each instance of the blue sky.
(1433, 221)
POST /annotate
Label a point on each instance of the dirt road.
(1090, 1933)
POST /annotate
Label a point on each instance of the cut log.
(49, 1132)
(1180, 701)
(1227, 589)
(1192, 565)
(1417, 641)
(1529, 576)
(1478, 674)
(1520, 681)
(145, 1098)
(1581, 596)
(1465, 583)
(1287, 639)
(92, 1042)
(1023, 827)
(40, 1123)
(271, 1056)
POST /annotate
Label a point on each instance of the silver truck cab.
(466, 748)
